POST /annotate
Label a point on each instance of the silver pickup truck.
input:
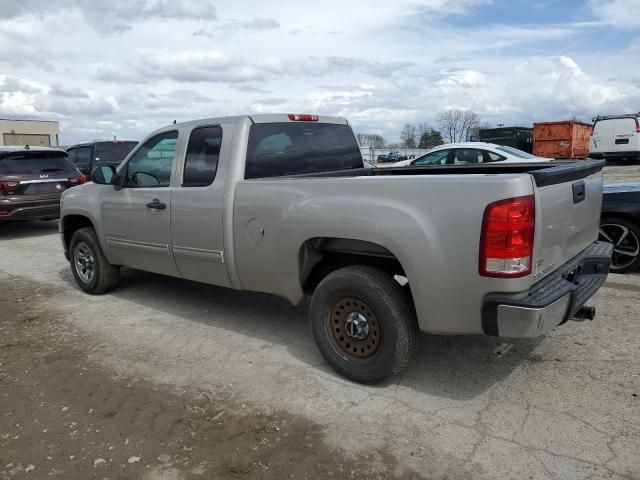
(282, 204)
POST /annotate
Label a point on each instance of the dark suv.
(32, 180)
(87, 156)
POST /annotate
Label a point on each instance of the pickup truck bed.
(497, 249)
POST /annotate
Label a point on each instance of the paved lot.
(166, 379)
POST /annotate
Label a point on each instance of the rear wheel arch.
(320, 256)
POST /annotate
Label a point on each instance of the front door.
(137, 217)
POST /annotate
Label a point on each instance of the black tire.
(105, 276)
(391, 314)
(626, 254)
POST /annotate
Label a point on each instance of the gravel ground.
(168, 379)
(621, 173)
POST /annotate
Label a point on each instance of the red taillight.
(506, 240)
(7, 186)
(637, 128)
(302, 117)
(78, 180)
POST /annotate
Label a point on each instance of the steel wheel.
(626, 245)
(84, 262)
(352, 328)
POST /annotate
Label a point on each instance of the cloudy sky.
(126, 67)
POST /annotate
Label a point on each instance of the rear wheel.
(625, 237)
(93, 273)
(364, 324)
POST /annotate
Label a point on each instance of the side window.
(433, 158)
(73, 155)
(151, 165)
(84, 157)
(201, 162)
(467, 156)
(492, 157)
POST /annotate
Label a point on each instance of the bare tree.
(372, 140)
(456, 124)
(408, 135)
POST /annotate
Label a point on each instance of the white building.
(42, 133)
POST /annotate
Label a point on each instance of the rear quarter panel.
(431, 224)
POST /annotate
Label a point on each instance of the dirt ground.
(65, 417)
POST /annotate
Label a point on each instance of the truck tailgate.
(568, 204)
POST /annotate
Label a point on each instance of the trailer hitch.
(585, 313)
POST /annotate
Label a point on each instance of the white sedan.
(470, 153)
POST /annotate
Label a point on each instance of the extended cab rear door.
(197, 205)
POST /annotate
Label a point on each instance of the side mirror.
(103, 175)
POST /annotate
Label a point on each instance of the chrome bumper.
(553, 300)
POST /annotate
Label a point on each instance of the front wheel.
(363, 324)
(91, 269)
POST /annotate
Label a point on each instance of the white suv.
(616, 137)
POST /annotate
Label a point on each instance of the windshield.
(515, 152)
(277, 149)
(34, 163)
(113, 152)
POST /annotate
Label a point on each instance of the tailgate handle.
(579, 191)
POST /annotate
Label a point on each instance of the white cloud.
(113, 15)
(127, 67)
(621, 13)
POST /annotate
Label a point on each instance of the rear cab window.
(292, 148)
(515, 152)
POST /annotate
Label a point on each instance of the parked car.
(32, 180)
(620, 225)
(281, 204)
(392, 156)
(471, 153)
(87, 156)
(616, 137)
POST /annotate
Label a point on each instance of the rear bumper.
(30, 211)
(553, 300)
(614, 155)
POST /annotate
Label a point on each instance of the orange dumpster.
(569, 139)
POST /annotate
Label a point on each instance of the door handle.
(156, 205)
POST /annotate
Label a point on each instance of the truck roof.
(255, 118)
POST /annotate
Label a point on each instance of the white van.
(616, 137)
